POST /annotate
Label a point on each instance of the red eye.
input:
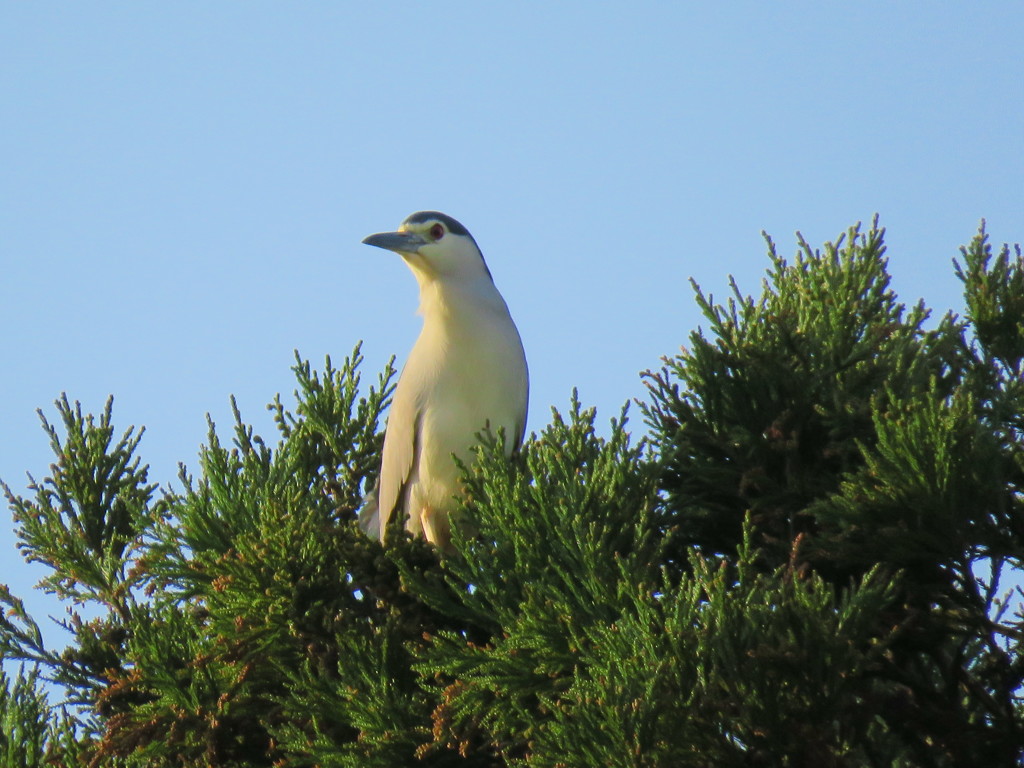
(436, 232)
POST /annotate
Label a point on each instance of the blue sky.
(184, 186)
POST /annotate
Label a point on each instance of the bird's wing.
(401, 446)
(369, 513)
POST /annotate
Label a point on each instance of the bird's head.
(435, 246)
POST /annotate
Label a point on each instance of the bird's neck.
(460, 303)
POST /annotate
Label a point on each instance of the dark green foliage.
(86, 523)
(24, 720)
(768, 413)
(88, 518)
(805, 563)
(994, 291)
(829, 414)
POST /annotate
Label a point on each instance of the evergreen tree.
(803, 563)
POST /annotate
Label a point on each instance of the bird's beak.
(400, 242)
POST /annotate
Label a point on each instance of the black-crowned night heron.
(466, 374)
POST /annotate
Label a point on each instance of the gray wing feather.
(401, 442)
(369, 513)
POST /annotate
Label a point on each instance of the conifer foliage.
(810, 558)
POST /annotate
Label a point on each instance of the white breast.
(470, 375)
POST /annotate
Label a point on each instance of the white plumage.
(466, 374)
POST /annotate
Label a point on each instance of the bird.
(466, 375)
